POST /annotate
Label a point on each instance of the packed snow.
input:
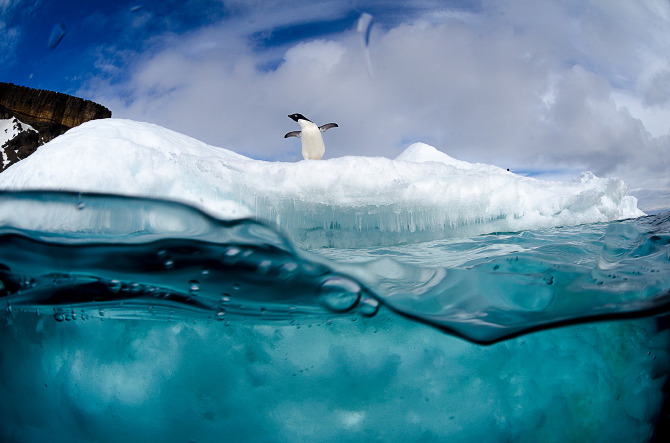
(422, 191)
(10, 128)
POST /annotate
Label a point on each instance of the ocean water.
(134, 319)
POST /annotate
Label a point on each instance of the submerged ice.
(64, 252)
(375, 334)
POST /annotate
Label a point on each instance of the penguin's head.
(296, 117)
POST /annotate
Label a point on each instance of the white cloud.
(8, 38)
(9, 35)
(535, 85)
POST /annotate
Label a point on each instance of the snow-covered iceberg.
(350, 201)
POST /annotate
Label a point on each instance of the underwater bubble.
(114, 285)
(231, 255)
(287, 270)
(168, 262)
(264, 267)
(193, 287)
(232, 251)
(205, 271)
(80, 205)
(220, 315)
(339, 294)
(368, 306)
(59, 317)
(132, 288)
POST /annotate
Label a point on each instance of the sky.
(545, 88)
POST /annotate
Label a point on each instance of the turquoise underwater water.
(133, 319)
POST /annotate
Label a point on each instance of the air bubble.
(133, 288)
(193, 287)
(168, 262)
(368, 306)
(114, 285)
(231, 255)
(339, 294)
(220, 315)
(264, 267)
(59, 317)
(287, 270)
(232, 251)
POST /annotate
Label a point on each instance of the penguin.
(312, 142)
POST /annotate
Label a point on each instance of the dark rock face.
(49, 113)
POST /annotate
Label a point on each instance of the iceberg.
(421, 195)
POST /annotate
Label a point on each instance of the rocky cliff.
(33, 117)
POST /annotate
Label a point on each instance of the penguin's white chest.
(312, 143)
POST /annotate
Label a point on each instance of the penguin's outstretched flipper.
(293, 134)
(327, 126)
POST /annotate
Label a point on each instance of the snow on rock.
(9, 129)
(421, 194)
